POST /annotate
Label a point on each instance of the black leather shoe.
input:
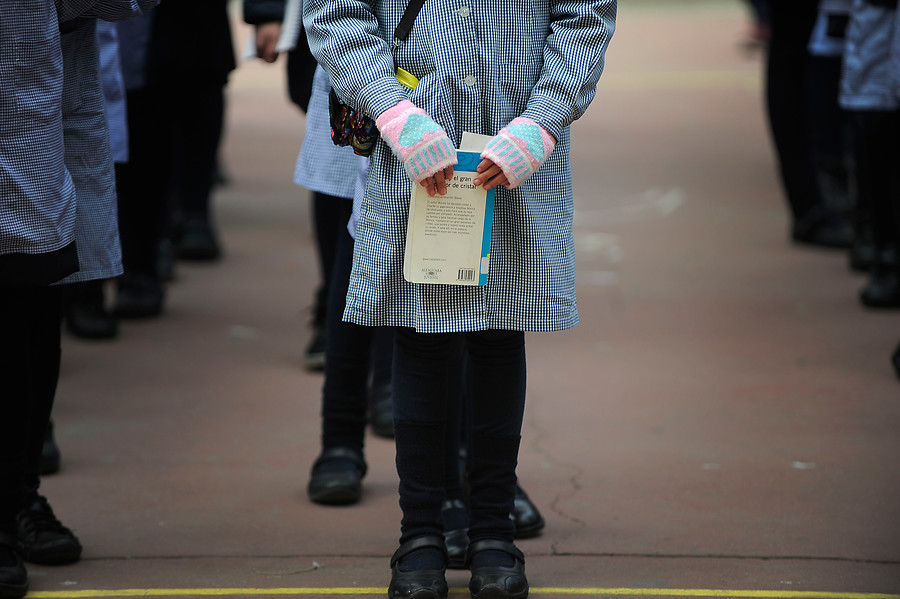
(497, 582)
(140, 295)
(381, 412)
(198, 241)
(526, 517)
(342, 487)
(50, 455)
(85, 314)
(13, 575)
(43, 538)
(456, 540)
(417, 584)
(823, 228)
(862, 255)
(883, 289)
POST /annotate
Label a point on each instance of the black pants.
(352, 352)
(788, 96)
(330, 215)
(198, 134)
(143, 182)
(29, 369)
(877, 155)
(427, 374)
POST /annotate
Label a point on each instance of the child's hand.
(519, 149)
(421, 144)
(491, 175)
(267, 35)
(438, 182)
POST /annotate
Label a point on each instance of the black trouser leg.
(344, 393)
(200, 132)
(787, 101)
(424, 366)
(142, 183)
(876, 168)
(330, 217)
(498, 377)
(29, 368)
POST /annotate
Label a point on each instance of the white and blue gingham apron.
(480, 63)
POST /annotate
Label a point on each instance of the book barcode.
(466, 274)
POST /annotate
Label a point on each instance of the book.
(448, 237)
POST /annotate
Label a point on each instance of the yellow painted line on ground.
(357, 591)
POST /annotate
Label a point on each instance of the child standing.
(521, 71)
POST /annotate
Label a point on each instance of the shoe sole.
(493, 592)
(50, 558)
(13, 591)
(335, 496)
(532, 530)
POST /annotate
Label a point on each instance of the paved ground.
(724, 418)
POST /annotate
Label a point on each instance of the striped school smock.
(480, 64)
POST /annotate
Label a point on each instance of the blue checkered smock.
(89, 156)
(866, 82)
(321, 165)
(37, 199)
(480, 63)
(88, 151)
(37, 195)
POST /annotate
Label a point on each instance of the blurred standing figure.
(327, 215)
(37, 248)
(176, 63)
(39, 227)
(789, 94)
(85, 311)
(868, 93)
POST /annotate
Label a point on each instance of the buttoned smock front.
(480, 64)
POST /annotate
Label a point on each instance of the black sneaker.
(13, 576)
(43, 538)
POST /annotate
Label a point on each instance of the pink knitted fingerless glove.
(421, 144)
(519, 149)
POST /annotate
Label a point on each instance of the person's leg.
(329, 224)
(874, 151)
(497, 363)
(43, 538)
(337, 473)
(498, 374)
(142, 185)
(200, 132)
(423, 370)
(381, 410)
(15, 304)
(788, 97)
(454, 511)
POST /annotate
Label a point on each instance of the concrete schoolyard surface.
(724, 421)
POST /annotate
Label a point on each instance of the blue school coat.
(480, 63)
